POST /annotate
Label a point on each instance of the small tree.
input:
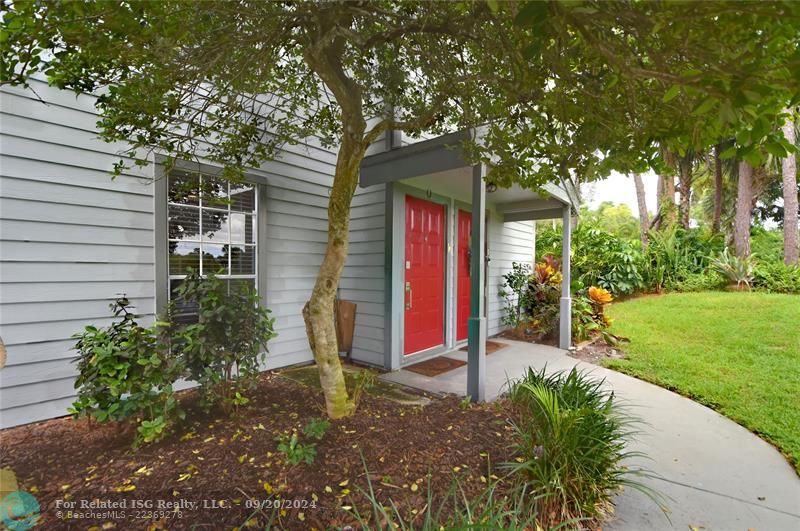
(558, 86)
(223, 349)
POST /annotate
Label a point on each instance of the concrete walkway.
(716, 474)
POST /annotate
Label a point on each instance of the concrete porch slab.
(510, 362)
(716, 474)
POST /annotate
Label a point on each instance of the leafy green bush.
(589, 317)
(675, 254)
(705, 281)
(513, 292)
(570, 440)
(126, 372)
(767, 244)
(540, 300)
(222, 350)
(599, 258)
(776, 277)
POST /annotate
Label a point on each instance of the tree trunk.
(666, 208)
(744, 211)
(789, 167)
(685, 189)
(668, 212)
(644, 218)
(717, 220)
(659, 193)
(318, 312)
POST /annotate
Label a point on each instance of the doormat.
(491, 346)
(435, 366)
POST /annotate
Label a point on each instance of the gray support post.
(476, 339)
(565, 318)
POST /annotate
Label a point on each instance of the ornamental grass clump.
(736, 269)
(571, 438)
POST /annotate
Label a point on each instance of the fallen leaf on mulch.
(234, 460)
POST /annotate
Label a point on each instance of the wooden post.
(476, 339)
(565, 318)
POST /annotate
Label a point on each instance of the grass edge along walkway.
(736, 352)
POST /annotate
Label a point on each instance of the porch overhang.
(438, 166)
(441, 161)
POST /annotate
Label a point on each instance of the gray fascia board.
(532, 215)
(423, 158)
(528, 205)
(559, 193)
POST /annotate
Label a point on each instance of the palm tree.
(644, 218)
(789, 172)
(685, 178)
(718, 185)
(744, 210)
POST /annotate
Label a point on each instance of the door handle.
(409, 296)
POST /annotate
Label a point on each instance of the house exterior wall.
(509, 242)
(71, 239)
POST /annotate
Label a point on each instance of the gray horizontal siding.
(71, 239)
(508, 242)
(367, 253)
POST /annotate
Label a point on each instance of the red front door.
(463, 282)
(424, 275)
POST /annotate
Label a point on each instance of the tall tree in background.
(668, 211)
(789, 173)
(685, 164)
(744, 210)
(231, 82)
(641, 200)
(718, 190)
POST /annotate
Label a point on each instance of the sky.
(618, 189)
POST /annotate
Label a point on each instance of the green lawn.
(738, 353)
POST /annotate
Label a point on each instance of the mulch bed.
(220, 462)
(435, 366)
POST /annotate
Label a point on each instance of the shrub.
(512, 292)
(589, 317)
(570, 439)
(540, 301)
(599, 258)
(223, 349)
(126, 372)
(540, 307)
(734, 268)
(705, 281)
(767, 244)
(674, 254)
(776, 277)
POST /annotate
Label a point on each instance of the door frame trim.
(398, 276)
(459, 206)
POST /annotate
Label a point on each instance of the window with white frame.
(211, 229)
